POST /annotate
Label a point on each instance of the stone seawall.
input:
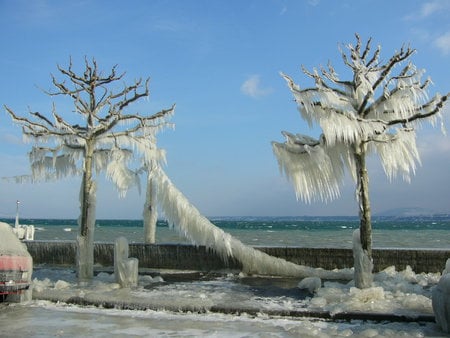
(190, 257)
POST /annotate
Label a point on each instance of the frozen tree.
(150, 214)
(184, 217)
(375, 111)
(104, 138)
(150, 211)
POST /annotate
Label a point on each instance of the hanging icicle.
(184, 217)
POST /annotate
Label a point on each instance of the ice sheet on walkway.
(393, 291)
(396, 292)
(45, 319)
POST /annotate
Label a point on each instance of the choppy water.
(398, 232)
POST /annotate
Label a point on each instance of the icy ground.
(45, 319)
(188, 306)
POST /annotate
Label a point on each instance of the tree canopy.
(105, 137)
(376, 111)
(378, 107)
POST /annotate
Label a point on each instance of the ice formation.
(401, 293)
(312, 284)
(23, 231)
(376, 111)
(447, 267)
(9, 245)
(379, 108)
(183, 216)
(150, 213)
(315, 171)
(125, 269)
(362, 263)
(16, 264)
(441, 300)
(300, 156)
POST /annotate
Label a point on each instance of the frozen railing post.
(29, 232)
(441, 300)
(125, 268)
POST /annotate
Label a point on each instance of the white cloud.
(443, 43)
(252, 87)
(436, 10)
(313, 2)
(431, 7)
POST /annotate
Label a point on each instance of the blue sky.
(219, 61)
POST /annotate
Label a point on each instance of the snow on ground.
(188, 307)
(393, 292)
(398, 292)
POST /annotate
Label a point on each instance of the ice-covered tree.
(104, 137)
(376, 111)
(150, 214)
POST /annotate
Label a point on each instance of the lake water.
(391, 232)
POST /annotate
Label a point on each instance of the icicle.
(398, 153)
(16, 224)
(348, 129)
(118, 172)
(182, 215)
(315, 169)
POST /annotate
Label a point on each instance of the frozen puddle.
(193, 304)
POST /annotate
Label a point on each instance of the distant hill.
(407, 212)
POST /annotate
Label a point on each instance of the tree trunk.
(150, 214)
(85, 239)
(363, 265)
(364, 203)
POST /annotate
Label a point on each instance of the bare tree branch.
(366, 50)
(397, 58)
(90, 144)
(437, 108)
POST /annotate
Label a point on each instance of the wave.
(276, 223)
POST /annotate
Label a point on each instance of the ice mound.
(399, 292)
(16, 266)
(363, 264)
(125, 268)
(441, 300)
(9, 243)
(312, 284)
